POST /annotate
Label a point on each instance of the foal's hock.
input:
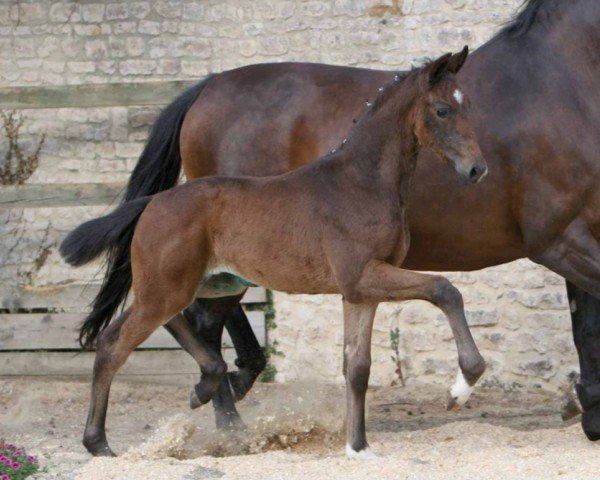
(337, 225)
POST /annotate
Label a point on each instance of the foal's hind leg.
(114, 345)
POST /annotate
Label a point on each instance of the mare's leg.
(207, 315)
(358, 325)
(576, 257)
(212, 368)
(585, 316)
(251, 359)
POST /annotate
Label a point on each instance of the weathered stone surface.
(93, 12)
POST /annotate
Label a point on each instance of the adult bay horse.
(339, 226)
(535, 89)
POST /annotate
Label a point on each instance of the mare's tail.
(157, 169)
(160, 163)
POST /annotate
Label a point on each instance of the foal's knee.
(446, 295)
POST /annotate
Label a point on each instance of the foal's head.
(442, 120)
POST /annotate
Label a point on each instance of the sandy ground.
(294, 432)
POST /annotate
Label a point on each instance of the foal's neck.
(382, 148)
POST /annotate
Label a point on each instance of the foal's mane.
(385, 92)
(528, 14)
(383, 95)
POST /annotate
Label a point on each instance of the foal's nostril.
(474, 174)
(477, 173)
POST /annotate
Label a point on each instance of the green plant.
(270, 350)
(395, 344)
(15, 464)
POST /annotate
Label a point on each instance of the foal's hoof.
(106, 452)
(364, 454)
(451, 403)
(98, 449)
(590, 422)
(460, 392)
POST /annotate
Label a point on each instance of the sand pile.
(167, 441)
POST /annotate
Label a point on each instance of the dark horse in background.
(535, 92)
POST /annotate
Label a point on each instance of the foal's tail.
(114, 233)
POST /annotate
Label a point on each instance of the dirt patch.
(294, 431)
(297, 440)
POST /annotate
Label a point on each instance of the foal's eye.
(443, 112)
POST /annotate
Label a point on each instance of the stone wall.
(518, 311)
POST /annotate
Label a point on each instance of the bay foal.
(337, 225)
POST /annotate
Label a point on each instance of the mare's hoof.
(230, 423)
(590, 422)
(194, 400)
(200, 395)
(570, 407)
(240, 384)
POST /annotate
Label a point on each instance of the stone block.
(137, 67)
(34, 13)
(93, 12)
(117, 11)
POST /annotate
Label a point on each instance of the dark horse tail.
(160, 163)
(112, 233)
(157, 169)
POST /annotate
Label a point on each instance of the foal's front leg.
(383, 282)
(358, 325)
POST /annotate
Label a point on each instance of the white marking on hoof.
(365, 454)
(461, 390)
(458, 95)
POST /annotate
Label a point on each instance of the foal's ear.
(438, 68)
(457, 60)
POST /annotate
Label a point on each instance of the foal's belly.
(222, 284)
(225, 280)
